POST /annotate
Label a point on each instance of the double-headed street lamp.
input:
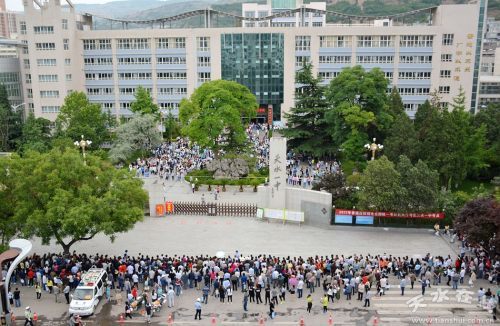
(83, 144)
(374, 147)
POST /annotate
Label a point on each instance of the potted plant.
(255, 182)
(224, 182)
(209, 183)
(241, 183)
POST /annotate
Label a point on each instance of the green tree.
(490, 117)
(213, 115)
(80, 117)
(59, 197)
(401, 136)
(35, 135)
(10, 122)
(143, 103)
(307, 130)
(172, 127)
(8, 222)
(421, 185)
(136, 138)
(380, 187)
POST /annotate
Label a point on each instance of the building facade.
(63, 54)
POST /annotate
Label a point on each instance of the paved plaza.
(194, 235)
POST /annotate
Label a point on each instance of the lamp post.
(374, 147)
(83, 144)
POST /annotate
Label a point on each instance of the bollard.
(375, 321)
(121, 320)
(261, 320)
(330, 320)
(35, 317)
(214, 322)
(170, 321)
(301, 323)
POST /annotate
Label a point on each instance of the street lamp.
(374, 147)
(83, 144)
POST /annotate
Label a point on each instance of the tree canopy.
(35, 135)
(213, 115)
(144, 104)
(58, 197)
(10, 122)
(80, 117)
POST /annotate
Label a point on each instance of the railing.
(214, 209)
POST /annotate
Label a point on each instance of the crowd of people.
(262, 279)
(304, 172)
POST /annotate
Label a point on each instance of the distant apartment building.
(8, 24)
(64, 53)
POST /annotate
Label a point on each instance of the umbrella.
(220, 254)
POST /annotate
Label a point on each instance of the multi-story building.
(8, 25)
(64, 53)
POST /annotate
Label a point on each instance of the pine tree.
(10, 122)
(307, 128)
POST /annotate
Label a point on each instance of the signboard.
(364, 220)
(270, 114)
(434, 216)
(343, 219)
(160, 211)
(283, 214)
(260, 212)
(169, 207)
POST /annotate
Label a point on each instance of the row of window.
(49, 94)
(414, 90)
(9, 77)
(47, 78)
(51, 109)
(301, 60)
(49, 46)
(99, 76)
(93, 61)
(126, 105)
(303, 42)
(42, 29)
(134, 75)
(172, 91)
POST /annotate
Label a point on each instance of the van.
(88, 292)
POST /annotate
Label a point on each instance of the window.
(89, 45)
(448, 39)
(134, 61)
(66, 44)
(411, 106)
(416, 41)
(43, 29)
(300, 61)
(203, 43)
(204, 76)
(67, 62)
(203, 61)
(105, 44)
(446, 57)
(334, 41)
(133, 43)
(445, 74)
(64, 24)
(45, 62)
(98, 61)
(375, 59)
(388, 74)
(368, 41)
(364, 41)
(45, 46)
(414, 75)
(47, 78)
(302, 43)
(127, 91)
(28, 79)
(134, 75)
(49, 94)
(22, 27)
(172, 91)
(180, 42)
(334, 59)
(168, 105)
(171, 60)
(443, 105)
(444, 89)
(100, 91)
(171, 42)
(124, 105)
(68, 77)
(413, 91)
(107, 105)
(26, 64)
(51, 109)
(30, 93)
(99, 76)
(328, 75)
(171, 75)
(415, 59)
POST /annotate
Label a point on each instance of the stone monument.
(277, 171)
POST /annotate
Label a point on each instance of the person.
(424, 285)
(128, 310)
(368, 295)
(17, 297)
(170, 297)
(245, 300)
(267, 295)
(271, 310)
(472, 278)
(274, 295)
(66, 293)
(38, 291)
(480, 296)
(309, 301)
(300, 287)
(325, 303)
(229, 293)
(149, 312)
(73, 320)
(222, 294)
(402, 285)
(197, 307)
(258, 290)
(413, 278)
(205, 291)
(192, 187)
(28, 317)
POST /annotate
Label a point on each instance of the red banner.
(438, 216)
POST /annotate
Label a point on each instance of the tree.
(10, 122)
(401, 139)
(8, 223)
(139, 136)
(172, 127)
(213, 115)
(490, 117)
(334, 183)
(35, 135)
(59, 197)
(80, 117)
(143, 103)
(421, 185)
(380, 187)
(479, 221)
(307, 131)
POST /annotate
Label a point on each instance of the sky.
(17, 5)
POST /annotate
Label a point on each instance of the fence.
(215, 209)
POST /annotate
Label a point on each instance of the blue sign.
(364, 220)
(343, 219)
